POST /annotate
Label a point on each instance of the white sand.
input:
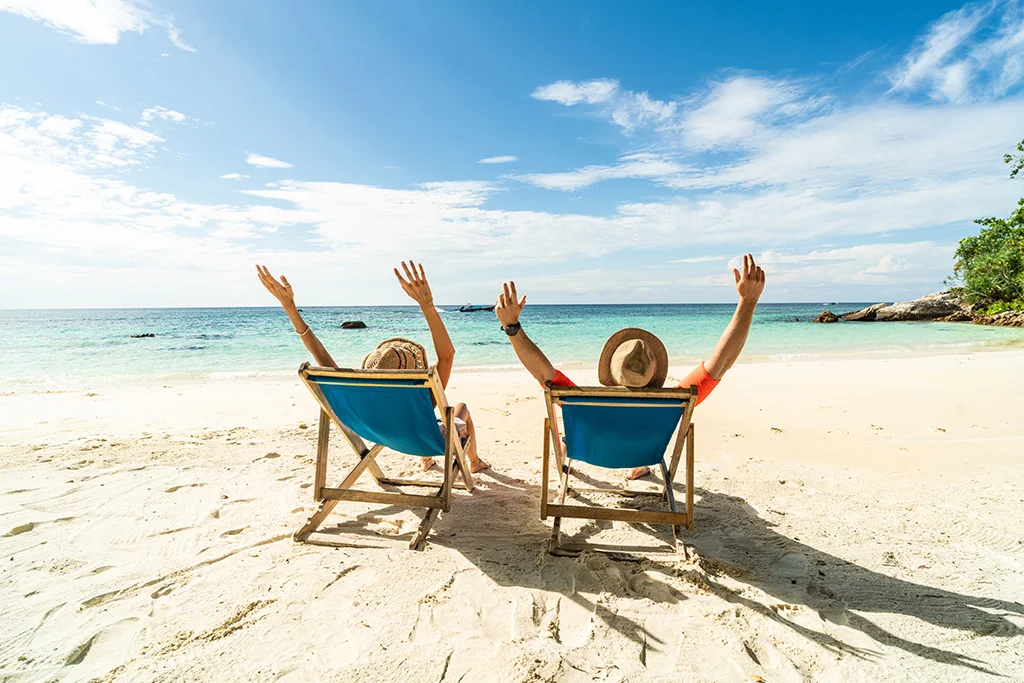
(857, 520)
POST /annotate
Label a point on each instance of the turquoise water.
(74, 348)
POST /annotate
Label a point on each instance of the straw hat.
(633, 358)
(396, 353)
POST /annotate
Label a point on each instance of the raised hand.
(750, 282)
(415, 283)
(282, 291)
(509, 305)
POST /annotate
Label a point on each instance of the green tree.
(1016, 161)
(991, 264)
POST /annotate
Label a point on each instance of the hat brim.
(604, 364)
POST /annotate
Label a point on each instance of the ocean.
(69, 349)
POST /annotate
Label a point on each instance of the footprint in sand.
(269, 456)
(21, 529)
(161, 592)
(234, 532)
(182, 486)
(111, 642)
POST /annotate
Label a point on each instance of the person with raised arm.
(636, 358)
(391, 354)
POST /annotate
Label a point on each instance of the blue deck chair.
(393, 409)
(617, 427)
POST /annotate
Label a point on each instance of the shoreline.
(925, 351)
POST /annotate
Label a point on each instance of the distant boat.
(470, 308)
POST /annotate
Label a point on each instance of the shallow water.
(59, 349)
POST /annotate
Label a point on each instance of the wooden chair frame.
(454, 456)
(554, 396)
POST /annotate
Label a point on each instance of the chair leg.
(460, 457)
(419, 540)
(315, 520)
(553, 546)
(544, 459)
(689, 478)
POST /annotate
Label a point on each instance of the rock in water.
(826, 317)
(865, 314)
(931, 307)
(147, 335)
(353, 325)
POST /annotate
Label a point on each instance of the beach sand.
(856, 520)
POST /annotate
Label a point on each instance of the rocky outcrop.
(864, 315)
(826, 317)
(353, 325)
(1007, 319)
(938, 306)
(941, 307)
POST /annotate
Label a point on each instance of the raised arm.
(507, 309)
(749, 286)
(416, 286)
(282, 291)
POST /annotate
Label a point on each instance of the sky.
(152, 153)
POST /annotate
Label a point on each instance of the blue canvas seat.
(617, 427)
(392, 409)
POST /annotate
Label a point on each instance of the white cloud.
(877, 263)
(629, 110)
(261, 161)
(570, 93)
(233, 176)
(498, 160)
(650, 166)
(735, 110)
(944, 37)
(108, 106)
(174, 34)
(58, 214)
(972, 53)
(98, 22)
(701, 259)
(164, 114)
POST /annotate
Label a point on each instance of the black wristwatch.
(512, 330)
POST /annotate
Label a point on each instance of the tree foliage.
(991, 263)
(1016, 161)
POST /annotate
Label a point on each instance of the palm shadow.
(731, 535)
(509, 547)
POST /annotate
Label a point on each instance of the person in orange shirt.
(634, 357)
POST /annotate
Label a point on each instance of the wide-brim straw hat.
(397, 353)
(632, 354)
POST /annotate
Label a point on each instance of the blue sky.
(151, 153)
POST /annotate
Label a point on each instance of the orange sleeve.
(561, 380)
(705, 382)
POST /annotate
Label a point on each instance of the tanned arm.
(416, 286)
(749, 286)
(282, 291)
(507, 309)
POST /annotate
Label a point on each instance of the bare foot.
(427, 464)
(638, 473)
(478, 466)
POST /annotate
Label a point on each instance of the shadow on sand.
(498, 530)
